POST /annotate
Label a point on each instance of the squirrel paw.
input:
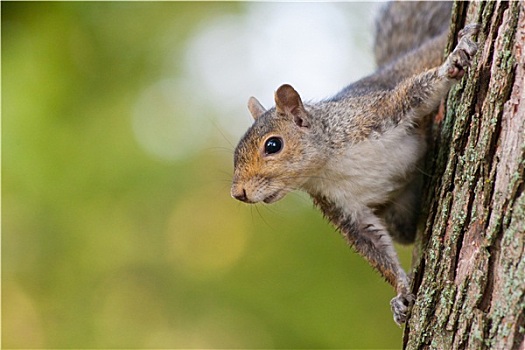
(456, 63)
(400, 306)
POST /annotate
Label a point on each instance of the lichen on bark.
(469, 279)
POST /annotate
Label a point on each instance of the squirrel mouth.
(274, 197)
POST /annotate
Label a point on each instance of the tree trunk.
(470, 277)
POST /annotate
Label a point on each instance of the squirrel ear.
(255, 107)
(288, 101)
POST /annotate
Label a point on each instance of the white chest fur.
(370, 172)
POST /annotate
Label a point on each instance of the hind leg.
(402, 213)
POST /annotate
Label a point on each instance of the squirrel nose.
(239, 194)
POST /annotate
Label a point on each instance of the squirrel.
(357, 153)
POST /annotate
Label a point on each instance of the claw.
(461, 58)
(470, 29)
(401, 306)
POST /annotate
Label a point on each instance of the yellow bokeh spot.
(206, 234)
(22, 324)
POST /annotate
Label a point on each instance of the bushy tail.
(403, 26)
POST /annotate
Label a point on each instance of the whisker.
(271, 209)
(226, 173)
(220, 148)
(262, 217)
(251, 213)
(222, 134)
(296, 194)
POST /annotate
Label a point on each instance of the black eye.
(273, 145)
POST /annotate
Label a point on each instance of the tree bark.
(469, 280)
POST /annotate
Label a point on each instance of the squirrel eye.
(273, 145)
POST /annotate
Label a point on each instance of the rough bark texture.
(470, 276)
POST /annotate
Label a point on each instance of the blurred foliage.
(105, 246)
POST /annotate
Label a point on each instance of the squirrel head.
(277, 151)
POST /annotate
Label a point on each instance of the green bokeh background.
(105, 246)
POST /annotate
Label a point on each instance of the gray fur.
(357, 153)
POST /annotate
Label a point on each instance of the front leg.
(420, 95)
(366, 233)
(372, 240)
